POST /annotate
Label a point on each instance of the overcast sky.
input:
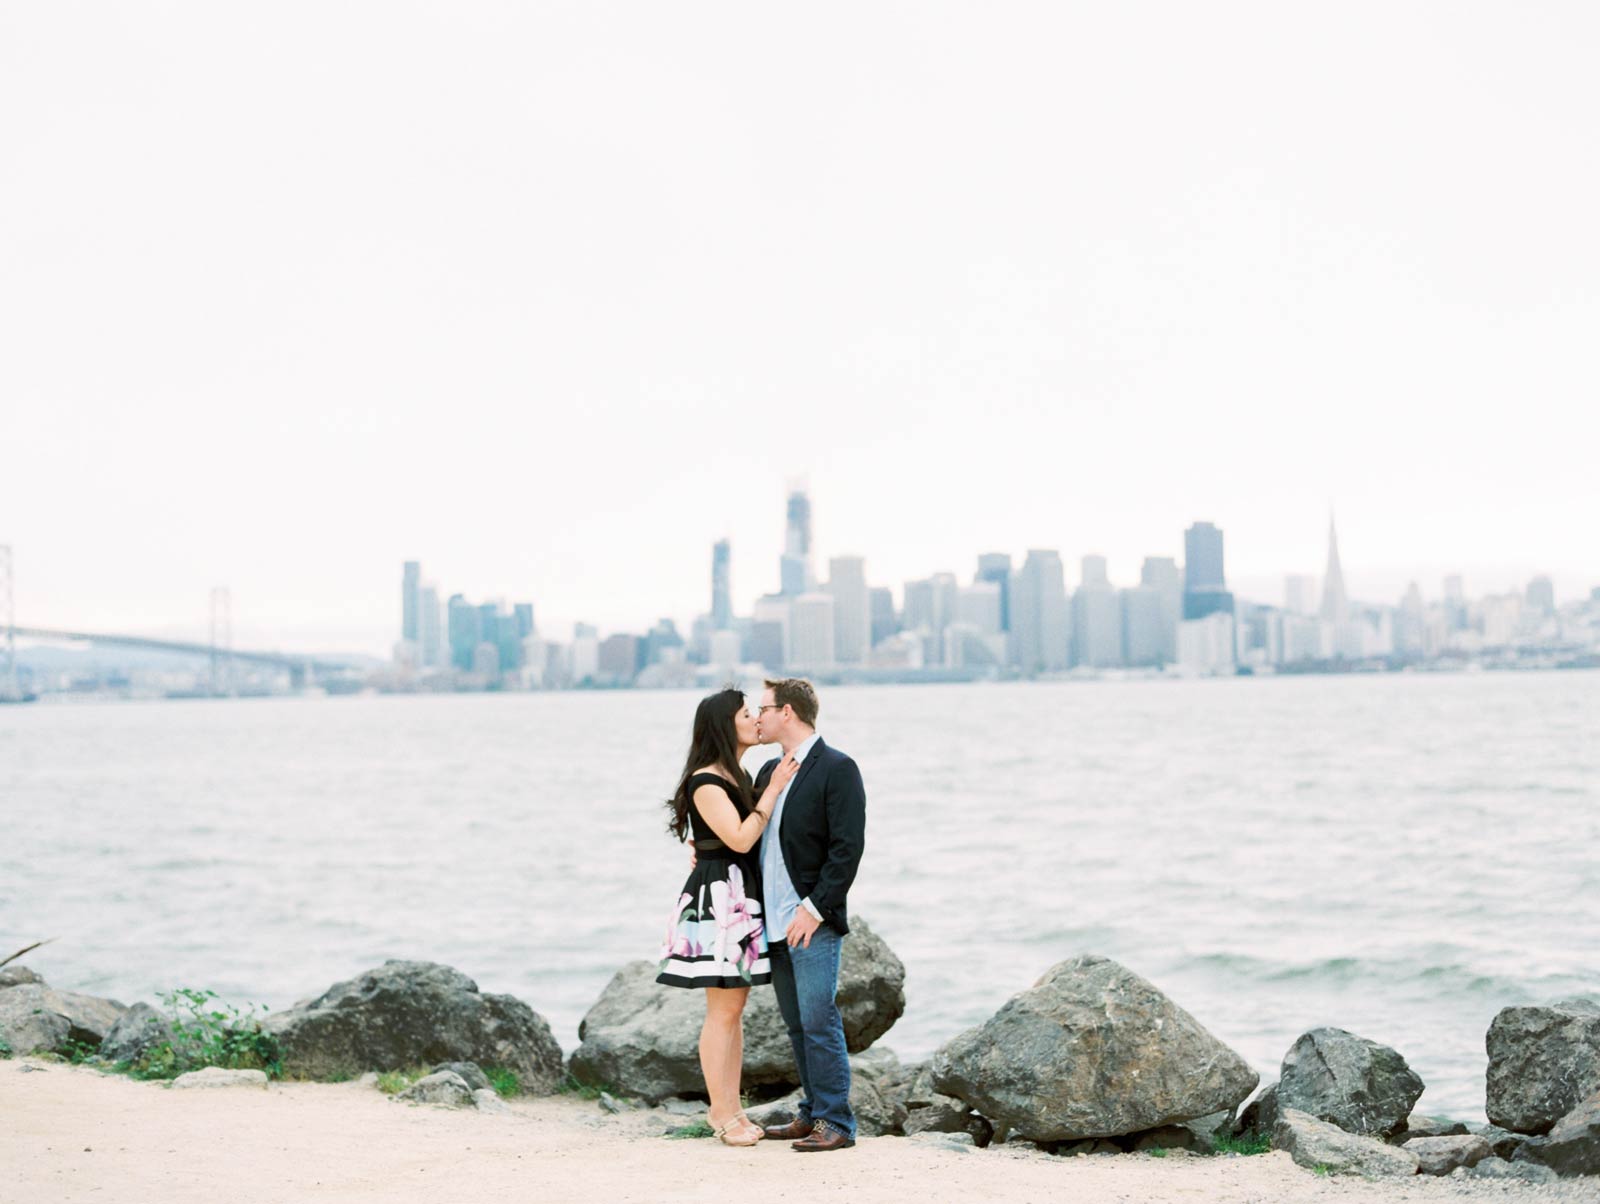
(551, 296)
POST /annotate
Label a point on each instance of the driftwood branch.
(20, 952)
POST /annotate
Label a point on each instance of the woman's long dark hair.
(716, 743)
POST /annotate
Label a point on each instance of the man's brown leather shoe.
(792, 1131)
(824, 1139)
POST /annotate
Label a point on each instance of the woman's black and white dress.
(715, 937)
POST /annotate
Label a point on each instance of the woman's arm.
(717, 809)
(723, 817)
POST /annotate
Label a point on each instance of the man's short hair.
(798, 694)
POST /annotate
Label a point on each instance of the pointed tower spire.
(1335, 605)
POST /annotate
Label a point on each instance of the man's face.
(769, 719)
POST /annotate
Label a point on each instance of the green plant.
(571, 1086)
(1322, 1168)
(208, 1032)
(76, 1052)
(1256, 1143)
(5, 1048)
(505, 1082)
(1158, 1152)
(698, 1129)
(392, 1082)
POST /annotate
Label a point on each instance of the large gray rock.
(1499, 1168)
(217, 1076)
(1207, 1131)
(1543, 1062)
(471, 1074)
(1346, 1080)
(407, 1013)
(1573, 1145)
(18, 976)
(1441, 1155)
(444, 1087)
(35, 1018)
(138, 1030)
(946, 1114)
(643, 1038)
(1259, 1116)
(1418, 1125)
(1312, 1143)
(1503, 1142)
(1090, 1050)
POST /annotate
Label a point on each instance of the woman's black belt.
(710, 846)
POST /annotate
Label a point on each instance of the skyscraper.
(430, 647)
(852, 604)
(721, 587)
(811, 632)
(996, 567)
(770, 629)
(1039, 622)
(1144, 627)
(1205, 589)
(1161, 574)
(795, 568)
(410, 598)
(978, 606)
(930, 606)
(466, 631)
(1096, 618)
(1335, 605)
(884, 622)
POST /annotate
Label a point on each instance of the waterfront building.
(995, 567)
(1041, 626)
(852, 609)
(811, 627)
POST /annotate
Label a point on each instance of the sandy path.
(74, 1134)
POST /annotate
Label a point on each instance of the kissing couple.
(771, 865)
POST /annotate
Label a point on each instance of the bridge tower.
(221, 641)
(9, 688)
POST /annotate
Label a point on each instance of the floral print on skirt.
(715, 937)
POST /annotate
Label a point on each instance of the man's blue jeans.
(806, 980)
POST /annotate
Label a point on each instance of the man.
(809, 854)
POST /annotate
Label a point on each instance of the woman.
(715, 940)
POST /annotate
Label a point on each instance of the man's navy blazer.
(822, 831)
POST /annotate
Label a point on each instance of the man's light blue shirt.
(779, 901)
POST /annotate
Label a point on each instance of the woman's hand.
(784, 774)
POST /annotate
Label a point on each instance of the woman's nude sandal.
(733, 1126)
(761, 1134)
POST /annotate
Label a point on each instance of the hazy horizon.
(549, 298)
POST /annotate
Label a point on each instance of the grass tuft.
(393, 1082)
(505, 1082)
(698, 1129)
(1257, 1143)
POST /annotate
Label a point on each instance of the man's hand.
(692, 857)
(801, 928)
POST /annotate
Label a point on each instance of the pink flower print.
(676, 942)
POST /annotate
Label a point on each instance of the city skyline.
(598, 317)
(375, 635)
(1008, 620)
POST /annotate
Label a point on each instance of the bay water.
(1399, 855)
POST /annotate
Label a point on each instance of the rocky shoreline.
(1091, 1059)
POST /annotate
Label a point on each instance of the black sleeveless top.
(706, 842)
